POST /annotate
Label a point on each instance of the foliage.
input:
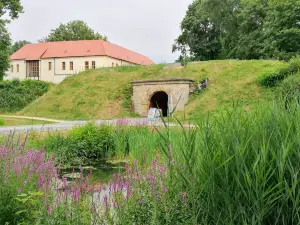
(17, 45)
(1, 122)
(16, 94)
(4, 50)
(73, 31)
(240, 29)
(93, 142)
(290, 89)
(82, 145)
(200, 36)
(272, 79)
(12, 8)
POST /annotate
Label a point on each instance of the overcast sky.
(145, 26)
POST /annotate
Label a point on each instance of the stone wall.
(179, 88)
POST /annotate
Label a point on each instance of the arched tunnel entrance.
(160, 100)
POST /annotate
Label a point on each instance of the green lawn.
(103, 93)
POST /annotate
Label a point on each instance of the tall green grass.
(241, 168)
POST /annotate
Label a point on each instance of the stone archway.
(160, 100)
(147, 92)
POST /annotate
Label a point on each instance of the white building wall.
(56, 74)
(46, 74)
(21, 75)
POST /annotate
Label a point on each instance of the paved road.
(67, 125)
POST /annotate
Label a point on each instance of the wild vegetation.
(236, 163)
(15, 95)
(240, 29)
(239, 167)
(106, 93)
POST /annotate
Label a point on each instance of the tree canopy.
(12, 8)
(73, 31)
(240, 29)
(17, 45)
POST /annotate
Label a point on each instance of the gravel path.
(67, 125)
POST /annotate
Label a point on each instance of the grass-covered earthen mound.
(106, 93)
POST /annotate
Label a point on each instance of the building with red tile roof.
(54, 61)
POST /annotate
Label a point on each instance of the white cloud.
(146, 26)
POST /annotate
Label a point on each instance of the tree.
(241, 29)
(73, 31)
(4, 51)
(200, 36)
(12, 8)
(17, 45)
(282, 27)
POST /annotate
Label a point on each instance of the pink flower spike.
(49, 210)
(87, 181)
(184, 196)
(165, 189)
(154, 163)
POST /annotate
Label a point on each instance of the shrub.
(290, 86)
(93, 142)
(1, 122)
(81, 145)
(271, 79)
(63, 149)
(15, 95)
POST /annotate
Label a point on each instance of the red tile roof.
(66, 49)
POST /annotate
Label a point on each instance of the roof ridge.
(44, 53)
(83, 48)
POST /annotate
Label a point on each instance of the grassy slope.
(100, 94)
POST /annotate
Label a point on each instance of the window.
(87, 65)
(12, 68)
(93, 64)
(112, 64)
(18, 68)
(117, 65)
(63, 65)
(71, 66)
(49, 65)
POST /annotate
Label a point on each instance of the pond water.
(102, 171)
